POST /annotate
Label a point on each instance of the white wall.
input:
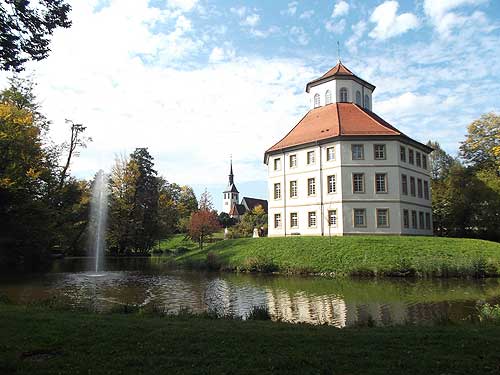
(334, 86)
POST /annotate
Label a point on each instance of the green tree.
(256, 218)
(440, 161)
(481, 148)
(26, 27)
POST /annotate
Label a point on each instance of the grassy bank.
(359, 255)
(44, 341)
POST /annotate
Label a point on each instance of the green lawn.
(356, 255)
(43, 341)
(181, 241)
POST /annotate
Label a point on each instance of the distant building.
(344, 170)
(230, 201)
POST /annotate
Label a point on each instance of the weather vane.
(338, 51)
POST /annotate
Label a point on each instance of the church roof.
(251, 203)
(337, 120)
(231, 188)
(237, 210)
(338, 71)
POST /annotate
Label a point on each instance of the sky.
(196, 81)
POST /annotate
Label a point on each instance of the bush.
(259, 264)
(213, 262)
(489, 313)
(258, 313)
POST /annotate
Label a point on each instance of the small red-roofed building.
(344, 170)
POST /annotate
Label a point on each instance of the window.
(277, 191)
(404, 184)
(277, 164)
(316, 101)
(293, 189)
(426, 190)
(310, 157)
(402, 153)
(357, 152)
(367, 102)
(332, 218)
(358, 183)
(411, 157)
(414, 219)
(312, 219)
(381, 182)
(406, 219)
(330, 153)
(332, 184)
(294, 220)
(421, 220)
(293, 161)
(328, 97)
(311, 186)
(277, 220)
(419, 188)
(379, 152)
(358, 98)
(343, 94)
(382, 218)
(412, 186)
(427, 220)
(424, 161)
(359, 217)
(419, 159)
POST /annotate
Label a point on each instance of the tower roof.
(337, 120)
(231, 187)
(339, 71)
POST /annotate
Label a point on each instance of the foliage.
(25, 29)
(38, 213)
(489, 313)
(440, 162)
(358, 255)
(481, 148)
(202, 225)
(226, 221)
(257, 218)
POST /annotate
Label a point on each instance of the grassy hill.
(356, 255)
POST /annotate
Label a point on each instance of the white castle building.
(344, 170)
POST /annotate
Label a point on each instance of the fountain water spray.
(98, 218)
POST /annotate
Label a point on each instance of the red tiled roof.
(339, 69)
(333, 120)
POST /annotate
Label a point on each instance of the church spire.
(231, 175)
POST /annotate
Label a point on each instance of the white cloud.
(240, 11)
(335, 27)
(340, 9)
(108, 72)
(299, 35)
(444, 18)
(185, 5)
(405, 104)
(306, 14)
(358, 31)
(251, 20)
(219, 54)
(388, 23)
(264, 33)
(291, 9)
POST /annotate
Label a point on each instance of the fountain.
(97, 222)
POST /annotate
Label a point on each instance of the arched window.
(367, 102)
(328, 97)
(358, 98)
(316, 101)
(343, 94)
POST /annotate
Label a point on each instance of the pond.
(316, 300)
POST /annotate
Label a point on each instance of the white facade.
(366, 195)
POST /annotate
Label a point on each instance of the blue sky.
(198, 80)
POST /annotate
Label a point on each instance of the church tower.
(231, 194)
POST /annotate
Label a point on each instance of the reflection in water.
(339, 302)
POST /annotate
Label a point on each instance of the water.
(338, 302)
(98, 219)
